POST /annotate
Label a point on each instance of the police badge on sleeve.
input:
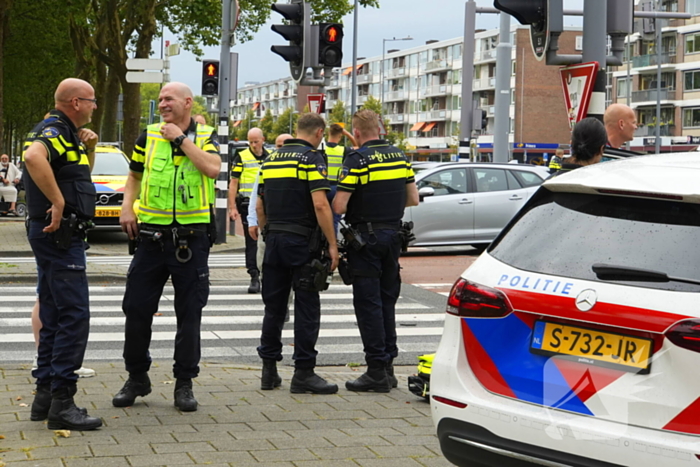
(323, 170)
(343, 173)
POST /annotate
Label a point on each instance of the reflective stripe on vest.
(162, 202)
(251, 167)
(335, 161)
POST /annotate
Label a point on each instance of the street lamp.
(381, 68)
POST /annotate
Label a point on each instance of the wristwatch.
(178, 141)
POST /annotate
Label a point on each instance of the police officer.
(291, 204)
(556, 161)
(243, 174)
(335, 155)
(60, 202)
(374, 186)
(173, 168)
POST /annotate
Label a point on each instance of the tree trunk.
(4, 33)
(132, 114)
(100, 86)
(110, 106)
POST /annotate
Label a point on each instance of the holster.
(314, 276)
(345, 271)
(407, 235)
(63, 237)
(211, 228)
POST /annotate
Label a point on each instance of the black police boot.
(375, 379)
(305, 380)
(270, 378)
(184, 397)
(42, 403)
(64, 415)
(136, 385)
(254, 286)
(390, 373)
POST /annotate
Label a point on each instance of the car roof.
(673, 174)
(430, 167)
(107, 148)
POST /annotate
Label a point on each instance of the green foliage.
(37, 56)
(286, 122)
(267, 125)
(393, 137)
(338, 113)
(250, 121)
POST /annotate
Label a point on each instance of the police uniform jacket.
(245, 168)
(287, 179)
(70, 165)
(376, 175)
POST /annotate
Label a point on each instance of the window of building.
(512, 67)
(692, 80)
(693, 7)
(457, 52)
(413, 60)
(692, 41)
(691, 117)
(622, 87)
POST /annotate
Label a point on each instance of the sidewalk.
(236, 424)
(13, 242)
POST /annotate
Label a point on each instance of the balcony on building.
(397, 118)
(436, 90)
(438, 115)
(652, 95)
(395, 96)
(644, 130)
(396, 72)
(440, 64)
(484, 83)
(667, 57)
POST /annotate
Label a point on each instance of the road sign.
(382, 128)
(144, 77)
(316, 103)
(577, 82)
(144, 64)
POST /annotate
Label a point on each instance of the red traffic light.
(212, 69)
(332, 34)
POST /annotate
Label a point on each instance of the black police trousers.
(251, 246)
(285, 254)
(153, 263)
(64, 307)
(375, 290)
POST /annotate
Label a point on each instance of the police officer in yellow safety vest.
(173, 168)
(335, 155)
(244, 171)
(556, 161)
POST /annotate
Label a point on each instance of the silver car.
(469, 203)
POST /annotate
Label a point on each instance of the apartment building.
(421, 93)
(678, 58)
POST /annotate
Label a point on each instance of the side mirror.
(425, 191)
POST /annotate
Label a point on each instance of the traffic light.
(484, 119)
(210, 78)
(296, 31)
(525, 11)
(330, 44)
(535, 13)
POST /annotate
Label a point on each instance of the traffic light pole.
(501, 142)
(224, 109)
(595, 42)
(467, 111)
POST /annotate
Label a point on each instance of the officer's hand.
(170, 131)
(233, 213)
(253, 231)
(333, 253)
(56, 212)
(127, 220)
(88, 137)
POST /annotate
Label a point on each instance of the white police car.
(574, 340)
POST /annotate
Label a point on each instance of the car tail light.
(450, 402)
(477, 301)
(685, 334)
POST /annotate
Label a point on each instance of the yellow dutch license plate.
(593, 347)
(107, 212)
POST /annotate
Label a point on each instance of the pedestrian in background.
(292, 203)
(588, 142)
(335, 155)
(9, 179)
(244, 170)
(620, 124)
(60, 204)
(375, 184)
(556, 161)
(172, 171)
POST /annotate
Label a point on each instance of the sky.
(422, 20)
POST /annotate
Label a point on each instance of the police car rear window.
(564, 234)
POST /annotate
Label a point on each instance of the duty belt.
(290, 228)
(372, 226)
(180, 235)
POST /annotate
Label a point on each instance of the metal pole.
(657, 131)
(353, 72)
(381, 71)
(504, 49)
(224, 103)
(595, 41)
(629, 78)
(467, 114)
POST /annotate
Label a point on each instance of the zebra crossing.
(215, 261)
(231, 326)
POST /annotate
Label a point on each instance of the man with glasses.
(60, 204)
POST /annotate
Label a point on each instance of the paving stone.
(340, 424)
(14, 455)
(406, 462)
(400, 451)
(240, 457)
(349, 441)
(116, 461)
(219, 427)
(356, 452)
(60, 451)
(43, 463)
(181, 447)
(269, 435)
(324, 463)
(427, 440)
(383, 422)
(283, 455)
(122, 450)
(149, 436)
(304, 443)
(437, 461)
(242, 445)
(150, 460)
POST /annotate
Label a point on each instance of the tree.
(267, 125)
(286, 122)
(393, 137)
(338, 113)
(247, 123)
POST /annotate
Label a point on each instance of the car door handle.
(465, 201)
(515, 198)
